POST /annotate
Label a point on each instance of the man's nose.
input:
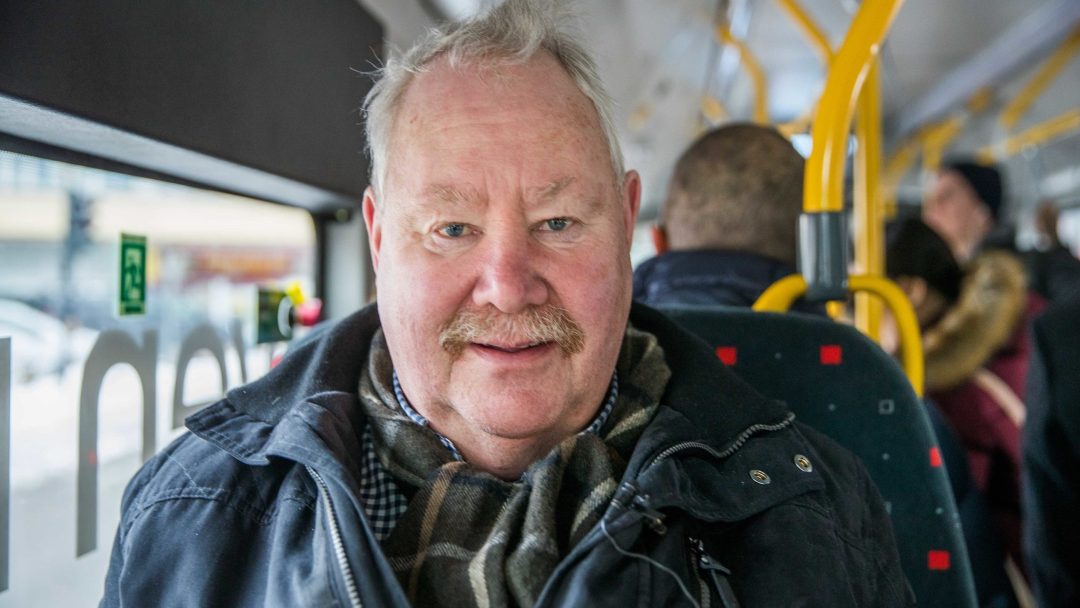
(509, 277)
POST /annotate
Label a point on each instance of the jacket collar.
(704, 400)
(712, 277)
(304, 409)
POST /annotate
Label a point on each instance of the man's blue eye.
(454, 230)
(558, 224)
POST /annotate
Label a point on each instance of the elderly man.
(496, 432)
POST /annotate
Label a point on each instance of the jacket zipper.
(743, 437)
(714, 572)
(335, 538)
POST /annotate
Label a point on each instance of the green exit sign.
(132, 275)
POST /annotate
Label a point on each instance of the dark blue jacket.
(710, 277)
(258, 505)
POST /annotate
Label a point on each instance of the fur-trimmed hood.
(987, 315)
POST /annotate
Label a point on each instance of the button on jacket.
(726, 501)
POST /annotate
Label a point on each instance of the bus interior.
(181, 187)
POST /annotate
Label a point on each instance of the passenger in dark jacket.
(728, 226)
(502, 429)
(1051, 448)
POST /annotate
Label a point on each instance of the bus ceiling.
(261, 99)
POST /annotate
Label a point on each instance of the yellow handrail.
(936, 138)
(825, 169)
(930, 142)
(810, 28)
(753, 69)
(911, 351)
(1042, 79)
(782, 294)
(823, 192)
(712, 109)
(1046, 131)
(640, 116)
(821, 44)
(798, 125)
(895, 167)
(869, 225)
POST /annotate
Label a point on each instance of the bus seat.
(839, 382)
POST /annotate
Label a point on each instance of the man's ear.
(659, 239)
(374, 225)
(631, 202)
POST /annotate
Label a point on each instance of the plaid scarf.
(470, 539)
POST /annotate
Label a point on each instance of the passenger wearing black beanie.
(984, 179)
(964, 205)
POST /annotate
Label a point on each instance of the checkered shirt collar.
(594, 426)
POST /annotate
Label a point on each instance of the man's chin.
(517, 421)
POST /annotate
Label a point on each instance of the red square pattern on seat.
(935, 457)
(938, 560)
(728, 354)
(832, 354)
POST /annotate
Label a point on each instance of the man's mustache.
(489, 326)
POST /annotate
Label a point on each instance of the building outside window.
(206, 256)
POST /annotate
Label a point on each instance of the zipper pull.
(716, 572)
(654, 518)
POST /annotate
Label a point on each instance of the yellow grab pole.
(1056, 127)
(1049, 70)
(810, 28)
(821, 44)
(712, 109)
(867, 220)
(895, 167)
(799, 125)
(936, 139)
(640, 116)
(825, 169)
(782, 294)
(907, 324)
(753, 69)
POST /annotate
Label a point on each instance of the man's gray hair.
(508, 34)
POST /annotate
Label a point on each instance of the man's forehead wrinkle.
(550, 190)
(450, 195)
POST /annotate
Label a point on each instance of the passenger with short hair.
(503, 428)
(728, 226)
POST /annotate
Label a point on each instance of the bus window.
(206, 255)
